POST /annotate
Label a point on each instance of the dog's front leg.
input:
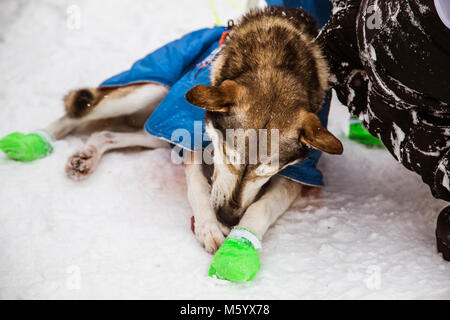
(279, 196)
(208, 230)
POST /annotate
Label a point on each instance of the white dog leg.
(81, 164)
(279, 196)
(210, 232)
(63, 126)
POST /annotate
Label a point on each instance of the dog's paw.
(211, 234)
(26, 147)
(81, 164)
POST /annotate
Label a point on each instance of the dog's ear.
(313, 134)
(214, 98)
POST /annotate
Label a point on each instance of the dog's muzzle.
(228, 216)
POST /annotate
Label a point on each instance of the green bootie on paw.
(357, 133)
(237, 259)
(27, 147)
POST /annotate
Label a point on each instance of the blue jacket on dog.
(181, 65)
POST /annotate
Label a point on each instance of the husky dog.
(270, 74)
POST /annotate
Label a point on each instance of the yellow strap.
(235, 5)
(232, 3)
(215, 13)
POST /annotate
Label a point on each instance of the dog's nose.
(227, 216)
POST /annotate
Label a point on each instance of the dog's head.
(272, 121)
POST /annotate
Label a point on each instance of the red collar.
(223, 37)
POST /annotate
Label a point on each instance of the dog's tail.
(79, 103)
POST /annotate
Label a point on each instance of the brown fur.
(270, 75)
(215, 98)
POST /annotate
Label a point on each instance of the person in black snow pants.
(390, 64)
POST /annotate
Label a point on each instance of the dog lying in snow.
(268, 74)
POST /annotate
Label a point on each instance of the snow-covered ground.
(125, 232)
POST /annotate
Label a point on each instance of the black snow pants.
(390, 64)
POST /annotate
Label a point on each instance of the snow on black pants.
(390, 61)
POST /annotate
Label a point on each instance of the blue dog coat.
(181, 65)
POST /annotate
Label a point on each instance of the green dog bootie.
(27, 147)
(357, 133)
(237, 260)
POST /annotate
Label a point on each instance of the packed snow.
(125, 231)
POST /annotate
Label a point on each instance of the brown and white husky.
(270, 75)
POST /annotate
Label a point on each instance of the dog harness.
(181, 65)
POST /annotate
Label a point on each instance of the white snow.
(125, 232)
